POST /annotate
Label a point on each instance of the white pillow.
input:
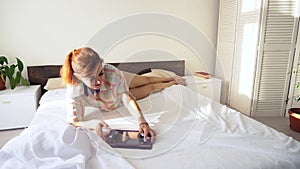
(53, 95)
(55, 83)
(160, 73)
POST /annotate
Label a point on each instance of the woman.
(94, 83)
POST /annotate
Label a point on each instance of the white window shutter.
(226, 44)
(239, 22)
(276, 54)
(245, 54)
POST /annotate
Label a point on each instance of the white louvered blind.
(226, 43)
(245, 54)
(275, 57)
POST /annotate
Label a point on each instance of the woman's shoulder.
(76, 90)
(109, 67)
(113, 74)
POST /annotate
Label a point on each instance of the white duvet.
(192, 132)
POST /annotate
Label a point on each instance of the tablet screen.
(128, 139)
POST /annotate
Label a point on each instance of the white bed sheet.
(192, 132)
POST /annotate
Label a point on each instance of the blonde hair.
(83, 61)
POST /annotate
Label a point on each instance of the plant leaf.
(20, 64)
(10, 71)
(18, 77)
(298, 98)
(12, 83)
(2, 77)
(3, 60)
(25, 81)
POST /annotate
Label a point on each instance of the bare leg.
(134, 80)
(143, 86)
(144, 91)
(139, 80)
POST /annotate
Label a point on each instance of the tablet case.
(130, 139)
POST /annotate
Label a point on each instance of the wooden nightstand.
(208, 87)
(18, 106)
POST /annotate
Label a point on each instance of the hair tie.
(73, 51)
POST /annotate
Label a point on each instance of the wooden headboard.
(38, 75)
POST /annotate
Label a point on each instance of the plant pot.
(294, 114)
(2, 84)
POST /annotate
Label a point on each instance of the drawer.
(204, 89)
(211, 90)
(17, 111)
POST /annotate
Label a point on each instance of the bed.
(193, 131)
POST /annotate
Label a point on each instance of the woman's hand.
(132, 106)
(145, 129)
(100, 129)
(76, 123)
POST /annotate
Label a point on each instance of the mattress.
(193, 131)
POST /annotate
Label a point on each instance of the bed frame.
(38, 75)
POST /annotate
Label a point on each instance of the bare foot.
(180, 81)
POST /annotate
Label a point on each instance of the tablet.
(131, 139)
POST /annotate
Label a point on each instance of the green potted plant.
(294, 114)
(12, 72)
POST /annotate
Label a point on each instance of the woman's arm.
(133, 107)
(135, 110)
(75, 111)
(75, 107)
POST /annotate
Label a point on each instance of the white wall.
(41, 32)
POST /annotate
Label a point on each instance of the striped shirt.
(107, 98)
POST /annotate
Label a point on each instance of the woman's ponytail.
(66, 72)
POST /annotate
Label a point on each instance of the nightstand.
(208, 87)
(18, 106)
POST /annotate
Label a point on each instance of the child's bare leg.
(144, 91)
